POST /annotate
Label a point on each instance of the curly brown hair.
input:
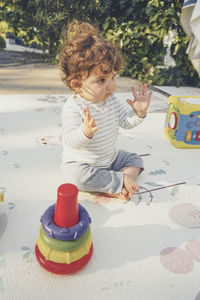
(86, 51)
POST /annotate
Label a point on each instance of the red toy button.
(198, 136)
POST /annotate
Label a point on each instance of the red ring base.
(60, 268)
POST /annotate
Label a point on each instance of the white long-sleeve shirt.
(109, 115)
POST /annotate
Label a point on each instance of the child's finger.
(140, 88)
(92, 122)
(134, 92)
(94, 129)
(145, 89)
(86, 112)
(149, 95)
(131, 103)
(85, 109)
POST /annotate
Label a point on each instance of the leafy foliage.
(2, 43)
(139, 29)
(44, 21)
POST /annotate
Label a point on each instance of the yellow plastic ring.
(62, 256)
(66, 246)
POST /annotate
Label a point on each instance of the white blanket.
(141, 252)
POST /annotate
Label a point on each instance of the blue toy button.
(194, 135)
(197, 123)
(190, 124)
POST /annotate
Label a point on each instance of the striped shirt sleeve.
(72, 123)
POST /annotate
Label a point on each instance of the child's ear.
(75, 84)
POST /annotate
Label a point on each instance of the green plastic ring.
(62, 256)
(66, 246)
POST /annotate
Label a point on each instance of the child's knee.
(138, 162)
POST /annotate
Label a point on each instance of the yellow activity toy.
(182, 124)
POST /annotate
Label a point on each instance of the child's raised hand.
(89, 126)
(141, 100)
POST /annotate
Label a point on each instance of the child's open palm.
(89, 126)
(141, 100)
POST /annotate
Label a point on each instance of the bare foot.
(130, 185)
(123, 195)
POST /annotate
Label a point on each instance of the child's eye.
(101, 80)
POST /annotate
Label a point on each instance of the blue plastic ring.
(65, 234)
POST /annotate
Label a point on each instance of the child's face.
(98, 87)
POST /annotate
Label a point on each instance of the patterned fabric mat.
(144, 251)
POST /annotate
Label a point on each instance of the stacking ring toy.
(67, 246)
(64, 244)
(65, 234)
(61, 256)
(63, 268)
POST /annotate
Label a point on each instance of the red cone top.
(66, 210)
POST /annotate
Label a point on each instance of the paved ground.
(41, 79)
(26, 74)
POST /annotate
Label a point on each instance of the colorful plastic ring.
(63, 268)
(65, 234)
(66, 246)
(61, 256)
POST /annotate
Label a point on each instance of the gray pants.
(96, 179)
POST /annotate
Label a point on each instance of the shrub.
(139, 29)
(2, 43)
